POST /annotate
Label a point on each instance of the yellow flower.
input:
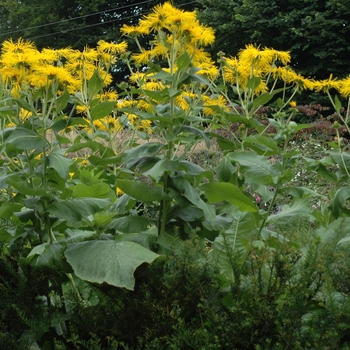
(111, 48)
(119, 192)
(71, 175)
(327, 84)
(133, 30)
(344, 87)
(293, 104)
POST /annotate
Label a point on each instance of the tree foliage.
(77, 23)
(316, 32)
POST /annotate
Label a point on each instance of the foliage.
(87, 213)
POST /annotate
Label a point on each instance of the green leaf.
(97, 190)
(102, 109)
(253, 83)
(300, 207)
(47, 254)
(224, 191)
(95, 84)
(145, 150)
(129, 224)
(194, 196)
(147, 238)
(225, 169)
(60, 163)
(8, 208)
(257, 168)
(337, 205)
(340, 158)
(183, 61)
(62, 101)
(108, 261)
(140, 190)
(263, 145)
(337, 103)
(164, 165)
(197, 132)
(26, 139)
(25, 187)
(231, 246)
(74, 210)
(261, 100)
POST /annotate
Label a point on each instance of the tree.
(316, 32)
(74, 23)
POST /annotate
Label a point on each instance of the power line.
(74, 18)
(98, 24)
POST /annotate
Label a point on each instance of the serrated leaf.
(108, 261)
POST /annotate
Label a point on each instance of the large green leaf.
(164, 165)
(338, 202)
(263, 145)
(102, 109)
(258, 169)
(140, 190)
(129, 224)
(145, 150)
(95, 84)
(74, 210)
(62, 101)
(225, 191)
(60, 163)
(231, 245)
(194, 196)
(26, 139)
(97, 190)
(108, 261)
(46, 254)
(225, 169)
(300, 207)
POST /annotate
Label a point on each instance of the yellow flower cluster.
(176, 30)
(23, 66)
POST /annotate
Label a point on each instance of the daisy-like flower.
(112, 48)
(326, 85)
(344, 87)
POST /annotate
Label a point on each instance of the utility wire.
(98, 24)
(74, 18)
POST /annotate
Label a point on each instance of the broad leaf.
(300, 207)
(97, 190)
(26, 139)
(102, 109)
(225, 191)
(337, 205)
(108, 261)
(47, 254)
(129, 224)
(258, 169)
(60, 163)
(140, 190)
